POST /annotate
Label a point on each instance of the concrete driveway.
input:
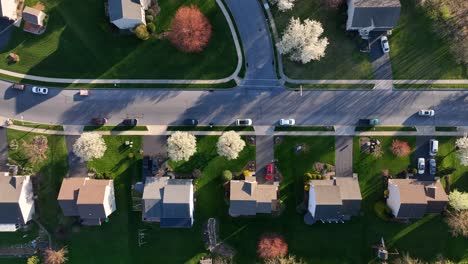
(380, 61)
(422, 151)
(3, 149)
(76, 167)
(155, 145)
(264, 148)
(344, 156)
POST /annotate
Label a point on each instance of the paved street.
(264, 106)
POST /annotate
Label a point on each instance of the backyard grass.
(342, 60)
(304, 128)
(330, 86)
(50, 173)
(416, 50)
(115, 128)
(37, 125)
(386, 128)
(208, 128)
(73, 47)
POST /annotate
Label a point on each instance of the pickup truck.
(369, 122)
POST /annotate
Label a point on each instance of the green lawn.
(446, 128)
(417, 52)
(386, 128)
(304, 128)
(50, 172)
(342, 60)
(75, 47)
(208, 128)
(331, 86)
(37, 125)
(447, 158)
(115, 128)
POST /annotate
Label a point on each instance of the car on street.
(421, 166)
(432, 166)
(426, 112)
(287, 122)
(385, 45)
(244, 122)
(39, 90)
(191, 122)
(369, 121)
(99, 121)
(130, 122)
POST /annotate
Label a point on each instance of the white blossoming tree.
(283, 5)
(302, 41)
(181, 146)
(89, 146)
(230, 144)
(458, 200)
(462, 145)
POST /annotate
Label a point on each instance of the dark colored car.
(99, 121)
(369, 122)
(130, 122)
(190, 122)
(432, 166)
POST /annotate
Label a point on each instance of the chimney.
(431, 191)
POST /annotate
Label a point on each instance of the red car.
(99, 121)
(270, 171)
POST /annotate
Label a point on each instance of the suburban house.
(248, 198)
(91, 200)
(376, 15)
(9, 9)
(16, 201)
(412, 199)
(34, 20)
(127, 14)
(333, 200)
(168, 201)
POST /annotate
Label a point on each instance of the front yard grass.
(37, 125)
(208, 128)
(447, 157)
(342, 57)
(386, 128)
(74, 47)
(417, 52)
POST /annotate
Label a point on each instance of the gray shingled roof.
(382, 13)
(119, 9)
(33, 15)
(10, 191)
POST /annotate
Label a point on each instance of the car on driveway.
(244, 122)
(384, 44)
(421, 166)
(39, 90)
(99, 121)
(190, 122)
(130, 122)
(432, 166)
(287, 122)
(426, 112)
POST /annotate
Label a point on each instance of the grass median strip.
(386, 128)
(430, 86)
(446, 128)
(37, 125)
(115, 128)
(304, 128)
(210, 128)
(367, 86)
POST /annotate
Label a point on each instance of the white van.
(433, 147)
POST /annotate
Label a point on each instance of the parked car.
(18, 86)
(39, 90)
(287, 122)
(433, 147)
(432, 166)
(130, 122)
(426, 112)
(385, 45)
(99, 121)
(270, 170)
(421, 165)
(369, 122)
(244, 122)
(191, 122)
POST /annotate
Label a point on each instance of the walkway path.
(344, 156)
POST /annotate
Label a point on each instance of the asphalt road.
(264, 106)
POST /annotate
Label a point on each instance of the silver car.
(385, 45)
(40, 90)
(287, 122)
(244, 122)
(421, 165)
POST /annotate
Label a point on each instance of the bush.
(130, 155)
(141, 32)
(227, 175)
(151, 27)
(382, 211)
(190, 29)
(458, 223)
(272, 246)
(246, 173)
(13, 145)
(149, 18)
(414, 171)
(150, 12)
(400, 148)
(196, 173)
(33, 260)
